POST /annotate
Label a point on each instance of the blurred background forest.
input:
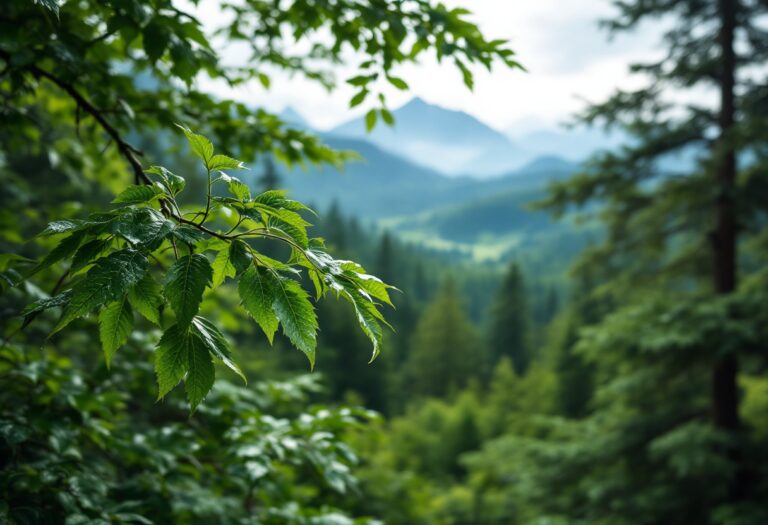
(580, 334)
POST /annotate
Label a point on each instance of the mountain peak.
(452, 142)
(416, 102)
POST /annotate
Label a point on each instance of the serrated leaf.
(57, 227)
(109, 279)
(172, 358)
(240, 256)
(146, 297)
(297, 316)
(66, 247)
(185, 283)
(201, 373)
(374, 287)
(317, 282)
(222, 267)
(216, 343)
(257, 292)
(115, 324)
(173, 183)
(136, 195)
(199, 145)
(291, 225)
(222, 162)
(187, 234)
(368, 318)
(278, 199)
(239, 189)
(44, 304)
(143, 226)
(87, 253)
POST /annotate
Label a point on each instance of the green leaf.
(201, 374)
(240, 256)
(358, 98)
(44, 304)
(289, 223)
(57, 227)
(239, 189)
(466, 74)
(374, 287)
(109, 279)
(185, 283)
(216, 343)
(399, 83)
(222, 267)
(185, 63)
(387, 117)
(368, 318)
(156, 38)
(87, 253)
(136, 195)
(277, 199)
(173, 183)
(222, 162)
(370, 120)
(66, 247)
(172, 358)
(115, 324)
(143, 226)
(200, 145)
(146, 297)
(257, 288)
(187, 234)
(361, 80)
(296, 314)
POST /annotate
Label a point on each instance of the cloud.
(568, 58)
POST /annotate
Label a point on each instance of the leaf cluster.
(113, 257)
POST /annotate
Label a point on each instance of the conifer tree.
(668, 361)
(510, 322)
(445, 352)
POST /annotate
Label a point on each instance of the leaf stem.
(208, 202)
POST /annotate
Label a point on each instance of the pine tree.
(668, 360)
(510, 322)
(335, 228)
(385, 258)
(445, 352)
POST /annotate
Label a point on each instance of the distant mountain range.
(451, 142)
(383, 185)
(457, 144)
(444, 179)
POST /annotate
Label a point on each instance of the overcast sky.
(568, 59)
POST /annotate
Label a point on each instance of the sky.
(568, 57)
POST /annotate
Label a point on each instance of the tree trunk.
(725, 403)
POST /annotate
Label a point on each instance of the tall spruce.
(510, 322)
(445, 353)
